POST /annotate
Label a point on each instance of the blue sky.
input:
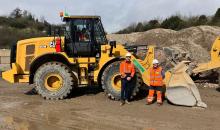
(116, 14)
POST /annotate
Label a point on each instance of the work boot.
(148, 103)
(159, 103)
(127, 102)
(122, 103)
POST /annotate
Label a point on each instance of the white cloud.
(115, 14)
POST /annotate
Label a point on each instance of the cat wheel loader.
(84, 57)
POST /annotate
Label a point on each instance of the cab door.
(79, 40)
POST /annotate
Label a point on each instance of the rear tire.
(59, 76)
(108, 74)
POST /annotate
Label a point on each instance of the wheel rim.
(116, 82)
(53, 82)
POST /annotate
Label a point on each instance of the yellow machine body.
(215, 59)
(30, 50)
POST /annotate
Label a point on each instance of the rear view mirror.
(112, 44)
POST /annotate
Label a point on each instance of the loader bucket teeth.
(181, 90)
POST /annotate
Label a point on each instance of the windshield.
(85, 30)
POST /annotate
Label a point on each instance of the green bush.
(202, 20)
(173, 22)
(139, 27)
(152, 24)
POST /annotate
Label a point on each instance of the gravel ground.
(89, 108)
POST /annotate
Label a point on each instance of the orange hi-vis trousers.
(152, 90)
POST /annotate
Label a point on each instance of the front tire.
(111, 81)
(53, 80)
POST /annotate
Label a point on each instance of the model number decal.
(43, 46)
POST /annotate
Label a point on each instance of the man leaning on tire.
(127, 72)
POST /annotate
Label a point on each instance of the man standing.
(127, 72)
(156, 83)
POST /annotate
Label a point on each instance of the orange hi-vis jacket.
(127, 68)
(156, 78)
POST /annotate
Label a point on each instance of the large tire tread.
(58, 68)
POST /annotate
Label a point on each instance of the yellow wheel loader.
(82, 57)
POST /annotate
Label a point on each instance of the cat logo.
(52, 44)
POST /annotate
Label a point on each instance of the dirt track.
(90, 109)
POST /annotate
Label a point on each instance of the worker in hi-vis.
(127, 71)
(157, 75)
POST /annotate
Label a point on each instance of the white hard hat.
(128, 54)
(155, 61)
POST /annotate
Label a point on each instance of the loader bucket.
(181, 90)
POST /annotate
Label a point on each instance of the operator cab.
(84, 36)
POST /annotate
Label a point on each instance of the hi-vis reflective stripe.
(158, 76)
(159, 100)
(155, 81)
(150, 99)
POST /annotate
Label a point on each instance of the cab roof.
(82, 17)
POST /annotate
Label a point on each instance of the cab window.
(99, 33)
(81, 30)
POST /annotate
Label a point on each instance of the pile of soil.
(196, 41)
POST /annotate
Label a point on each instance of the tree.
(131, 28)
(192, 21)
(173, 22)
(152, 24)
(16, 13)
(139, 27)
(217, 14)
(42, 19)
(49, 30)
(25, 13)
(30, 17)
(202, 20)
(216, 18)
(20, 23)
